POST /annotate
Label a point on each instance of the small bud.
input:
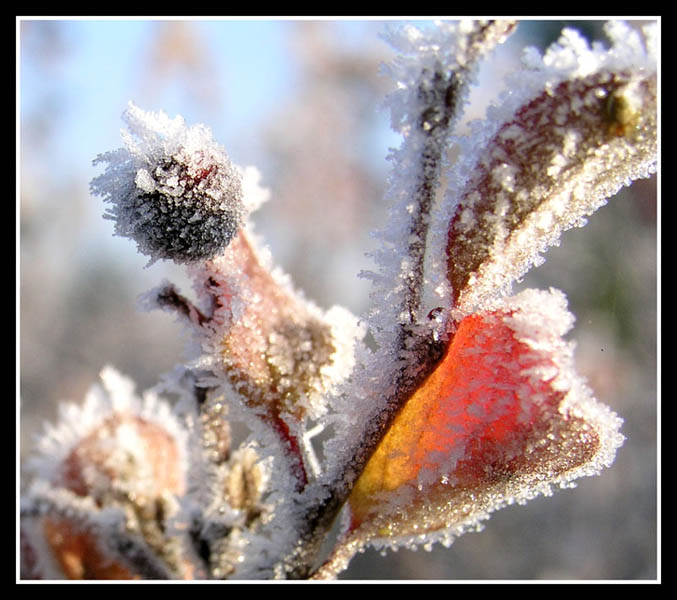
(107, 480)
(173, 189)
(246, 481)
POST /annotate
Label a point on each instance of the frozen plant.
(464, 400)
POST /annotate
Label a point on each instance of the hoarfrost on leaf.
(503, 418)
(574, 127)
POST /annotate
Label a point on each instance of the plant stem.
(440, 94)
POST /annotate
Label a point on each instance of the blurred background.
(302, 101)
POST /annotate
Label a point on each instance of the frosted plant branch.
(434, 98)
(469, 402)
(441, 91)
(433, 89)
(559, 154)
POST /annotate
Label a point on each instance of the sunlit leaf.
(575, 126)
(501, 419)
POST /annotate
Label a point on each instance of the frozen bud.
(106, 485)
(173, 189)
(246, 481)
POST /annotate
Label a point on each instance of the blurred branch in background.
(179, 61)
(327, 187)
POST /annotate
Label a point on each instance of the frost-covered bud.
(173, 189)
(106, 485)
(246, 481)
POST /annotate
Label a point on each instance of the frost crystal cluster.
(468, 400)
(173, 189)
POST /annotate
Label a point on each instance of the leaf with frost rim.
(551, 154)
(502, 419)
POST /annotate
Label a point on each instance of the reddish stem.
(292, 448)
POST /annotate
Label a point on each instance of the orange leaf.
(501, 419)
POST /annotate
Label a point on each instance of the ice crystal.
(173, 190)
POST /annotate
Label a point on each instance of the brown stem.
(292, 448)
(440, 102)
(170, 298)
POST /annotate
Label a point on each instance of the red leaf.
(501, 419)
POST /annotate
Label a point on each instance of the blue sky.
(101, 74)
